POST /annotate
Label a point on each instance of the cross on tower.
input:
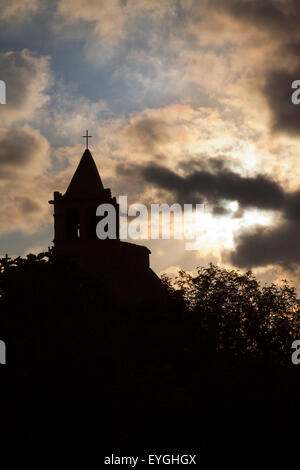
(87, 137)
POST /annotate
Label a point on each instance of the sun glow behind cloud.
(215, 234)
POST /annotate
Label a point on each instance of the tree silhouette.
(236, 315)
(211, 352)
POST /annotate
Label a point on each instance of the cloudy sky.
(187, 101)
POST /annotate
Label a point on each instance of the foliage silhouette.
(212, 352)
(238, 315)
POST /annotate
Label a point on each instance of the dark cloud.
(24, 161)
(214, 187)
(277, 16)
(150, 132)
(274, 245)
(16, 147)
(260, 247)
(292, 206)
(28, 205)
(278, 92)
(264, 246)
(279, 21)
(22, 150)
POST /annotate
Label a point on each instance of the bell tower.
(124, 265)
(75, 217)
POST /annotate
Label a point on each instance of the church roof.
(86, 180)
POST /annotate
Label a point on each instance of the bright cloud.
(18, 9)
(27, 78)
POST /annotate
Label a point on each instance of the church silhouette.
(125, 266)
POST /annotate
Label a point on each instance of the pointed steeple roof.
(86, 181)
